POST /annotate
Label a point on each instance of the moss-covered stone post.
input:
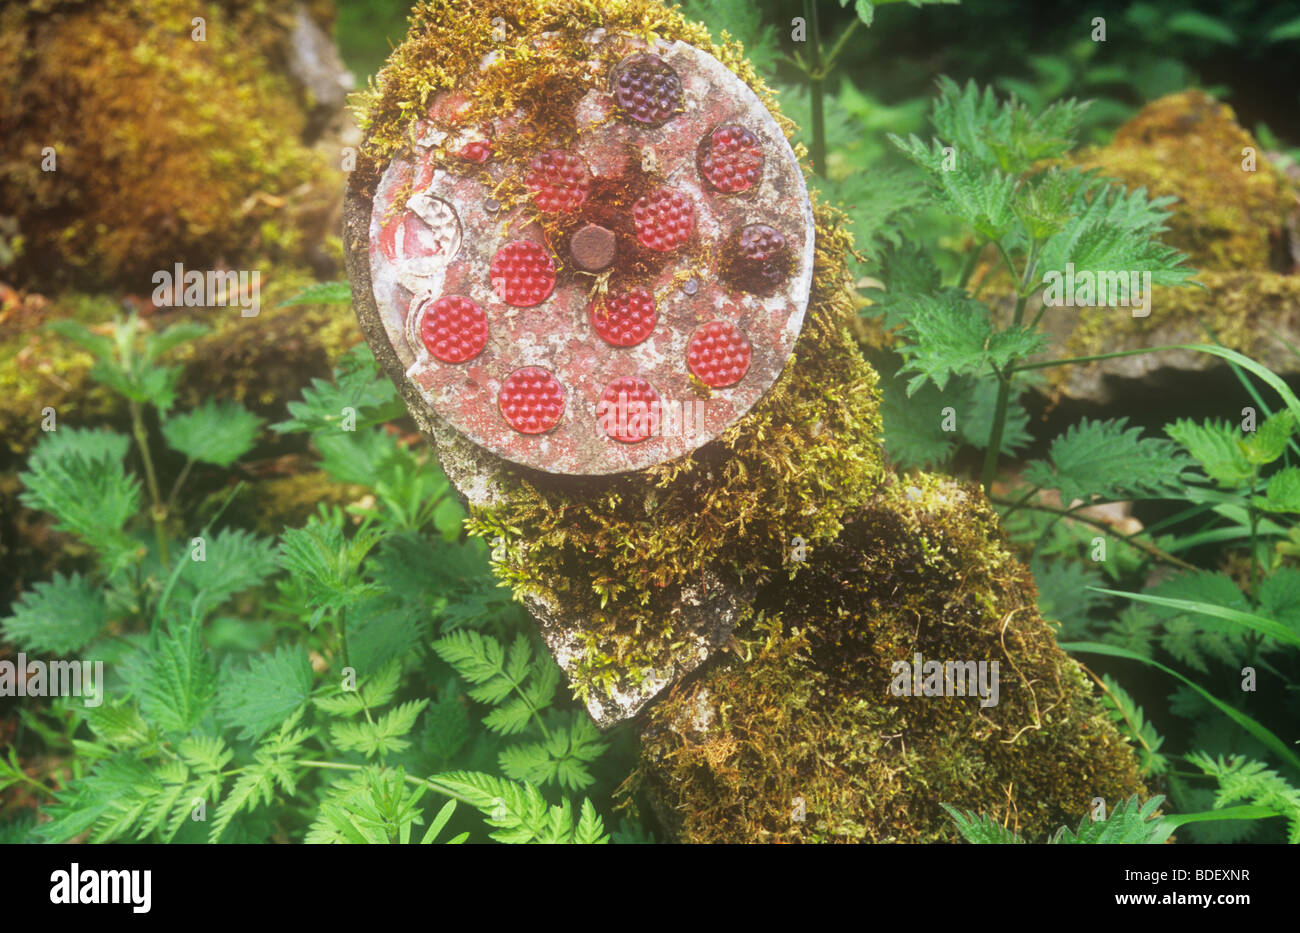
(812, 647)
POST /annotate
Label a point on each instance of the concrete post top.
(602, 299)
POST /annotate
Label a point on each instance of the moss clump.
(1229, 221)
(1190, 146)
(809, 714)
(168, 149)
(448, 41)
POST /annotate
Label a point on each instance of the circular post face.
(610, 300)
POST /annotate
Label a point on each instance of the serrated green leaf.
(234, 560)
(87, 491)
(216, 432)
(1270, 441)
(59, 617)
(182, 332)
(951, 335)
(1216, 445)
(260, 697)
(178, 680)
(322, 293)
(980, 829)
(1129, 823)
(357, 385)
(1135, 727)
(1282, 493)
(1242, 779)
(1109, 460)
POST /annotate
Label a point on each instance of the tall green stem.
(816, 89)
(1000, 413)
(1254, 549)
(159, 510)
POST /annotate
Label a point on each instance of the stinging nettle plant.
(997, 168)
(357, 680)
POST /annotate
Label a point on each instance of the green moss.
(168, 149)
(447, 41)
(807, 712)
(1229, 222)
(1190, 146)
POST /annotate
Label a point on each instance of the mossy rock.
(828, 569)
(802, 717)
(1240, 229)
(166, 149)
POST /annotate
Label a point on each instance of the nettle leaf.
(59, 617)
(324, 565)
(976, 409)
(118, 724)
(1112, 231)
(980, 828)
(1109, 460)
(1003, 134)
(919, 432)
(1283, 492)
(1279, 596)
(1134, 629)
(1269, 442)
(1217, 446)
(180, 333)
(949, 335)
(216, 432)
(446, 726)
(880, 203)
(234, 560)
(146, 383)
(913, 426)
(97, 345)
(178, 683)
(81, 480)
(1193, 638)
(1064, 595)
(1128, 824)
(91, 443)
(906, 269)
(384, 628)
(357, 386)
(322, 293)
(273, 687)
